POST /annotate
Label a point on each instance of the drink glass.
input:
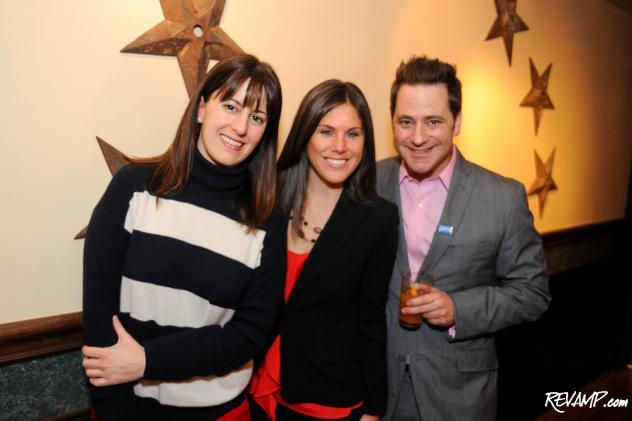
(412, 287)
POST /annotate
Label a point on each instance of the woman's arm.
(104, 250)
(371, 308)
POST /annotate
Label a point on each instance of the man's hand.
(436, 307)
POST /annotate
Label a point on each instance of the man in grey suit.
(472, 232)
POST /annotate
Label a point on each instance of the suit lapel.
(345, 220)
(459, 194)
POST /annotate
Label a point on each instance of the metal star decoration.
(115, 160)
(543, 182)
(190, 32)
(537, 97)
(506, 24)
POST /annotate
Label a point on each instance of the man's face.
(423, 127)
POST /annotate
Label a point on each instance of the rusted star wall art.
(538, 98)
(115, 160)
(191, 32)
(507, 23)
(543, 182)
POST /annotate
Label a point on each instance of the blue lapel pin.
(445, 229)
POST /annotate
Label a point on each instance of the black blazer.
(333, 328)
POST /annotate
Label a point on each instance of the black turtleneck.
(211, 180)
(189, 283)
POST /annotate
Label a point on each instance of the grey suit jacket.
(492, 265)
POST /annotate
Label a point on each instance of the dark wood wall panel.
(34, 338)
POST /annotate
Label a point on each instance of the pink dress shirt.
(422, 205)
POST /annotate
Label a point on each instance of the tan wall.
(63, 81)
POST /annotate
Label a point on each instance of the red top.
(265, 386)
(241, 413)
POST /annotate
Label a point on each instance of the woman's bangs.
(254, 95)
(254, 92)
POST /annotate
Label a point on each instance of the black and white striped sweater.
(189, 283)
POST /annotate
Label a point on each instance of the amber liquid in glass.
(414, 289)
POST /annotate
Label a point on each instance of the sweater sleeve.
(372, 314)
(215, 349)
(104, 250)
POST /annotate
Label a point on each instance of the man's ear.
(457, 125)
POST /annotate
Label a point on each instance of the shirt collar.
(445, 175)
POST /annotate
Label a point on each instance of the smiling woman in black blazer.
(329, 360)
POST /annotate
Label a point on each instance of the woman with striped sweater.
(184, 259)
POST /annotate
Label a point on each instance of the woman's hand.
(367, 417)
(120, 363)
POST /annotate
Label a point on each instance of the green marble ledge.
(43, 388)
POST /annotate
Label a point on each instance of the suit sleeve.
(215, 349)
(522, 290)
(372, 314)
(104, 250)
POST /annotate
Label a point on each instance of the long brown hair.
(174, 166)
(293, 163)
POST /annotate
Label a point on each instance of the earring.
(199, 119)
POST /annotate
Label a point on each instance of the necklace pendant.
(301, 233)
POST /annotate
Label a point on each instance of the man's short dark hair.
(424, 71)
